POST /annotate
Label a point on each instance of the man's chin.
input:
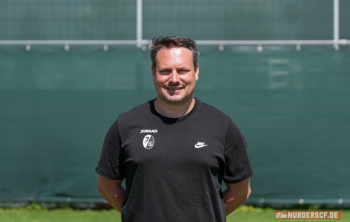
(174, 100)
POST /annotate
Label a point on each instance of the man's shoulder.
(212, 111)
(141, 110)
(135, 117)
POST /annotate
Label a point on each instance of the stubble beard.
(175, 101)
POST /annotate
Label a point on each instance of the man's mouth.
(173, 89)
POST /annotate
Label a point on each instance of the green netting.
(239, 20)
(65, 19)
(292, 106)
(198, 19)
(344, 19)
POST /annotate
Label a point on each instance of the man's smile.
(173, 89)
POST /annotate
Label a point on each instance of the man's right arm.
(112, 191)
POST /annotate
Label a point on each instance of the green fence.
(197, 19)
(293, 106)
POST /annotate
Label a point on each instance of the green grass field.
(37, 214)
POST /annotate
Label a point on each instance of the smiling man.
(174, 151)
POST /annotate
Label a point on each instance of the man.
(174, 151)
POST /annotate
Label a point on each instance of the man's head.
(172, 42)
(174, 68)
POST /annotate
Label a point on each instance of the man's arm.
(236, 194)
(112, 191)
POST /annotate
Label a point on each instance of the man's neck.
(174, 110)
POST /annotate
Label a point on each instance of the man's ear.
(153, 74)
(197, 72)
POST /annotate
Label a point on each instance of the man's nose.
(174, 77)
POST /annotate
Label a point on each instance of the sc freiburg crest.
(148, 141)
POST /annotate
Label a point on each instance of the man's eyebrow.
(166, 68)
(185, 67)
(163, 68)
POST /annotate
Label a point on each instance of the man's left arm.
(236, 194)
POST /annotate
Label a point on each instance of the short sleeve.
(111, 163)
(237, 164)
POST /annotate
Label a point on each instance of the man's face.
(175, 75)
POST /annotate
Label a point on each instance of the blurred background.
(279, 68)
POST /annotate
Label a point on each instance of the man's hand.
(236, 194)
(112, 191)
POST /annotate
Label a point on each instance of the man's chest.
(173, 145)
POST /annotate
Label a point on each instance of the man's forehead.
(174, 50)
(176, 54)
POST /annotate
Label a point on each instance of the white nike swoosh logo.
(200, 145)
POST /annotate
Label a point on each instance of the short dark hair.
(172, 42)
